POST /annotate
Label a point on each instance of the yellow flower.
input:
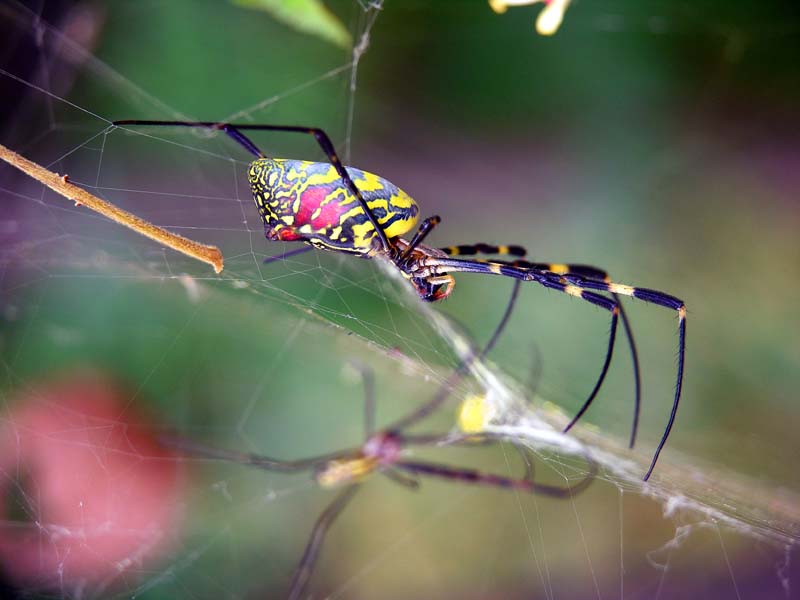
(549, 19)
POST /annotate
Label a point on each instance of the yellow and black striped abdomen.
(308, 201)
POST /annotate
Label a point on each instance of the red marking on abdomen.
(310, 201)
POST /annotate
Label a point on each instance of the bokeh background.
(658, 140)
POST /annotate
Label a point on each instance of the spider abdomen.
(308, 201)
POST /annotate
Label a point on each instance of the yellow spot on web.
(473, 414)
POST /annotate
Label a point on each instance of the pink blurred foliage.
(89, 497)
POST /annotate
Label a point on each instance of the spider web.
(258, 358)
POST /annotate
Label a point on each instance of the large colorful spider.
(321, 204)
(386, 452)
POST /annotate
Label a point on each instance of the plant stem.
(61, 185)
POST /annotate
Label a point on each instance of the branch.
(61, 185)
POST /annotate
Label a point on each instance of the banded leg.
(234, 130)
(575, 286)
(481, 248)
(591, 272)
(660, 299)
(562, 269)
(436, 266)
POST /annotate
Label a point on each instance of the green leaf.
(308, 16)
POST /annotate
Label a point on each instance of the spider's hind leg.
(594, 273)
(660, 299)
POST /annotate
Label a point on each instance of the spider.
(385, 452)
(321, 205)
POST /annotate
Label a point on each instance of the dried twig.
(61, 184)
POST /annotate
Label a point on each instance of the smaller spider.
(387, 452)
(320, 204)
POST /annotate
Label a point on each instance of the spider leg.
(549, 280)
(408, 481)
(535, 374)
(424, 229)
(444, 390)
(306, 565)
(481, 248)
(305, 568)
(288, 254)
(234, 130)
(562, 269)
(576, 285)
(489, 438)
(660, 299)
(524, 452)
(475, 477)
(198, 450)
(596, 273)
(503, 321)
(368, 381)
(554, 490)
(612, 306)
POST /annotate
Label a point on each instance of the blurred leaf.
(308, 16)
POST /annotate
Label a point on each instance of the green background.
(656, 140)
